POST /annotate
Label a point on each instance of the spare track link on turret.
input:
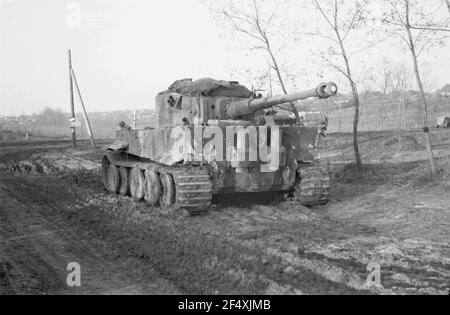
(313, 188)
(193, 185)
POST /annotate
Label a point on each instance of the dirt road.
(55, 211)
(37, 245)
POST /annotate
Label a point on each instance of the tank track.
(313, 186)
(193, 189)
(193, 185)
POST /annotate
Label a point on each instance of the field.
(54, 211)
(381, 113)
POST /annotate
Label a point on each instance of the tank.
(218, 138)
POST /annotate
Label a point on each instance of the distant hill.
(55, 124)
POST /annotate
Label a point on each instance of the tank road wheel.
(105, 167)
(124, 188)
(168, 190)
(314, 186)
(113, 179)
(137, 183)
(152, 187)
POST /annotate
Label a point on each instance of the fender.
(118, 145)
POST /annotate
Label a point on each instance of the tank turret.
(188, 102)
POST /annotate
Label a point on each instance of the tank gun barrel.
(246, 107)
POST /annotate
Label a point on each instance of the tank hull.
(167, 146)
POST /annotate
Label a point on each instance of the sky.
(124, 52)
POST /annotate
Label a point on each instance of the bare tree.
(448, 5)
(247, 18)
(420, 29)
(342, 21)
(384, 80)
(400, 85)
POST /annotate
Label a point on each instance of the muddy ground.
(54, 211)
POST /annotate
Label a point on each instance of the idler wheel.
(137, 183)
(152, 187)
(168, 190)
(113, 179)
(124, 188)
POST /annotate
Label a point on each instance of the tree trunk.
(397, 126)
(402, 122)
(356, 103)
(426, 129)
(448, 5)
(355, 130)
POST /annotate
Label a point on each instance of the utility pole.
(86, 118)
(72, 103)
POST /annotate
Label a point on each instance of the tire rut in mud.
(22, 268)
(40, 244)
